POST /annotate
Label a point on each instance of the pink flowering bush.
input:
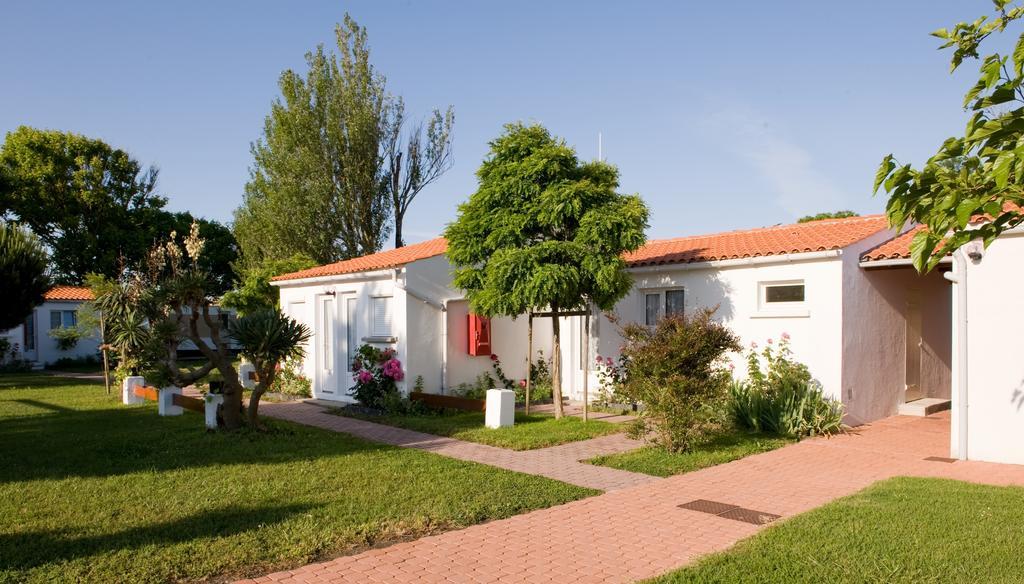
(376, 373)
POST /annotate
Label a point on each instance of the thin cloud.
(786, 168)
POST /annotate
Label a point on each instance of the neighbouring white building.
(60, 309)
(878, 336)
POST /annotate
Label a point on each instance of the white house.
(30, 340)
(845, 321)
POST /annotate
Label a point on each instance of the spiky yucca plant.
(268, 337)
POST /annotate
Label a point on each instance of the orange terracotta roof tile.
(391, 258)
(80, 293)
(822, 235)
(897, 248)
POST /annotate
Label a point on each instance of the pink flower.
(494, 357)
(599, 359)
(753, 345)
(769, 341)
(393, 368)
(785, 336)
(522, 383)
(364, 376)
(608, 361)
(731, 367)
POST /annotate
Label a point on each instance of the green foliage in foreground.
(529, 432)
(723, 448)
(91, 490)
(901, 530)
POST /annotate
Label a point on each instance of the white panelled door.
(326, 324)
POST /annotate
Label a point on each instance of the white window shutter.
(381, 317)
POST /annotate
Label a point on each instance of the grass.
(528, 432)
(91, 490)
(901, 530)
(724, 448)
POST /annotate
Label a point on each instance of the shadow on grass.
(22, 551)
(79, 435)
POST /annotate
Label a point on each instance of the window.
(666, 302)
(652, 308)
(380, 316)
(350, 330)
(63, 319)
(674, 302)
(30, 333)
(782, 294)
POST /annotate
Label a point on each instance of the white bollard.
(212, 401)
(247, 375)
(128, 386)
(501, 408)
(165, 405)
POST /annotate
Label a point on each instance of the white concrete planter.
(128, 386)
(213, 400)
(165, 405)
(501, 408)
(247, 375)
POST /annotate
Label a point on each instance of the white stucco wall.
(815, 329)
(46, 346)
(994, 408)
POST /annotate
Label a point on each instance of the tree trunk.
(254, 405)
(398, 230)
(556, 363)
(232, 409)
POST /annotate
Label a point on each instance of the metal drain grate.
(940, 459)
(734, 512)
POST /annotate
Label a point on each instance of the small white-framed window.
(782, 295)
(380, 316)
(63, 319)
(666, 302)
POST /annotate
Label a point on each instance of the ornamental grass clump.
(780, 397)
(677, 371)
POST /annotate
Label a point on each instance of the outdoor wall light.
(975, 250)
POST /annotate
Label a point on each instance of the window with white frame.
(782, 295)
(663, 302)
(63, 319)
(380, 316)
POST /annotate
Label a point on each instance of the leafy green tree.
(979, 173)
(88, 202)
(22, 273)
(317, 181)
(253, 291)
(414, 161)
(827, 215)
(544, 231)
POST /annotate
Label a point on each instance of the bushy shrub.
(780, 397)
(676, 370)
(376, 374)
(291, 381)
(67, 337)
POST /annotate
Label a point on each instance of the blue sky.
(722, 116)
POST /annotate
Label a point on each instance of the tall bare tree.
(414, 160)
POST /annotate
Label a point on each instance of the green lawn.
(901, 530)
(529, 432)
(91, 490)
(724, 448)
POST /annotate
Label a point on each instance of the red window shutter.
(479, 329)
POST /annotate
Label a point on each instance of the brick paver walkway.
(640, 532)
(559, 462)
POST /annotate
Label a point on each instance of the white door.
(327, 374)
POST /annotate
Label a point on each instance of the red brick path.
(640, 532)
(560, 462)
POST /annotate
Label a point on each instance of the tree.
(979, 174)
(23, 273)
(89, 203)
(414, 162)
(268, 338)
(155, 306)
(220, 251)
(317, 182)
(253, 291)
(827, 215)
(544, 231)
